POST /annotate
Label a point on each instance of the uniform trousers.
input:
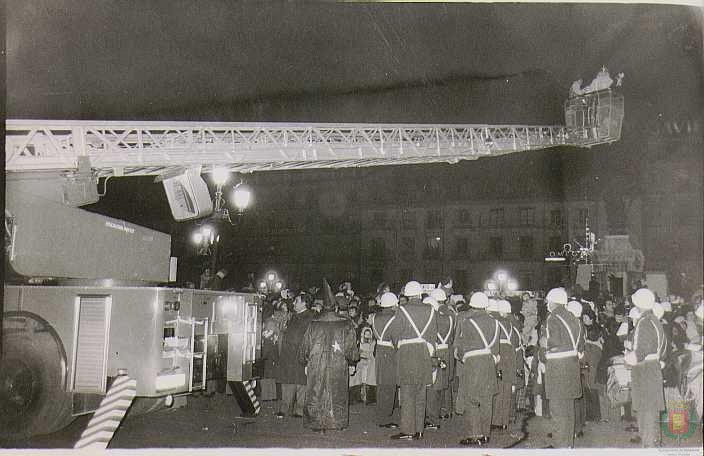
(562, 414)
(648, 427)
(435, 401)
(293, 397)
(580, 414)
(412, 408)
(477, 416)
(385, 400)
(502, 404)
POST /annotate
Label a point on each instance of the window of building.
(496, 247)
(555, 243)
(408, 220)
(462, 247)
(527, 216)
(408, 244)
(582, 216)
(433, 219)
(459, 280)
(379, 218)
(556, 218)
(525, 280)
(433, 246)
(464, 217)
(526, 247)
(406, 275)
(377, 248)
(496, 217)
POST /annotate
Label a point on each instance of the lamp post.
(500, 284)
(271, 283)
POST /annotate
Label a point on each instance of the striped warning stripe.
(107, 418)
(249, 387)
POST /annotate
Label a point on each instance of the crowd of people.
(426, 355)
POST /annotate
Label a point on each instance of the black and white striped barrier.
(107, 418)
(246, 397)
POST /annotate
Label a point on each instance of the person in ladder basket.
(440, 394)
(646, 376)
(413, 332)
(385, 359)
(477, 352)
(564, 348)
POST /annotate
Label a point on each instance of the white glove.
(628, 344)
(497, 358)
(580, 355)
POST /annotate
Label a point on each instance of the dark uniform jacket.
(646, 376)
(385, 355)
(507, 339)
(446, 323)
(477, 374)
(291, 371)
(562, 374)
(329, 345)
(414, 358)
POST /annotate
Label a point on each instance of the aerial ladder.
(92, 306)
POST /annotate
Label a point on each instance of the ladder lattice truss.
(148, 148)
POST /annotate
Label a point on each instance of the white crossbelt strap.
(568, 353)
(419, 339)
(443, 340)
(380, 337)
(486, 350)
(506, 333)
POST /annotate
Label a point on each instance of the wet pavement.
(214, 422)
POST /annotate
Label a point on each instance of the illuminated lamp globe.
(278, 285)
(271, 276)
(501, 276)
(262, 285)
(221, 176)
(242, 196)
(512, 285)
(197, 237)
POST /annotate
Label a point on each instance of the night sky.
(317, 62)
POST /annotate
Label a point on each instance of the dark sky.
(359, 62)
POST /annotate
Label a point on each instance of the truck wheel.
(33, 399)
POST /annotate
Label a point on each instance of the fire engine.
(93, 299)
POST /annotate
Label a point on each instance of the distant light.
(271, 276)
(555, 259)
(207, 231)
(220, 176)
(262, 285)
(279, 285)
(437, 238)
(512, 285)
(197, 237)
(501, 276)
(242, 196)
(491, 285)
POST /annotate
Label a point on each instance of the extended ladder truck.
(94, 300)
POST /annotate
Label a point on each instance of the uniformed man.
(646, 377)
(413, 332)
(506, 365)
(564, 347)
(580, 408)
(440, 394)
(385, 361)
(477, 351)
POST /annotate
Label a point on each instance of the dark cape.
(329, 346)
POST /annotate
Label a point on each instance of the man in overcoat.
(564, 348)
(328, 347)
(506, 365)
(477, 352)
(413, 332)
(646, 377)
(291, 373)
(385, 359)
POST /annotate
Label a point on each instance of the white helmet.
(438, 294)
(575, 308)
(493, 305)
(412, 288)
(634, 313)
(666, 306)
(658, 310)
(643, 299)
(700, 312)
(557, 296)
(430, 300)
(388, 299)
(479, 300)
(504, 306)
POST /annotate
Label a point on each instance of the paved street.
(213, 422)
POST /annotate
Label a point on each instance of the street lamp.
(500, 283)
